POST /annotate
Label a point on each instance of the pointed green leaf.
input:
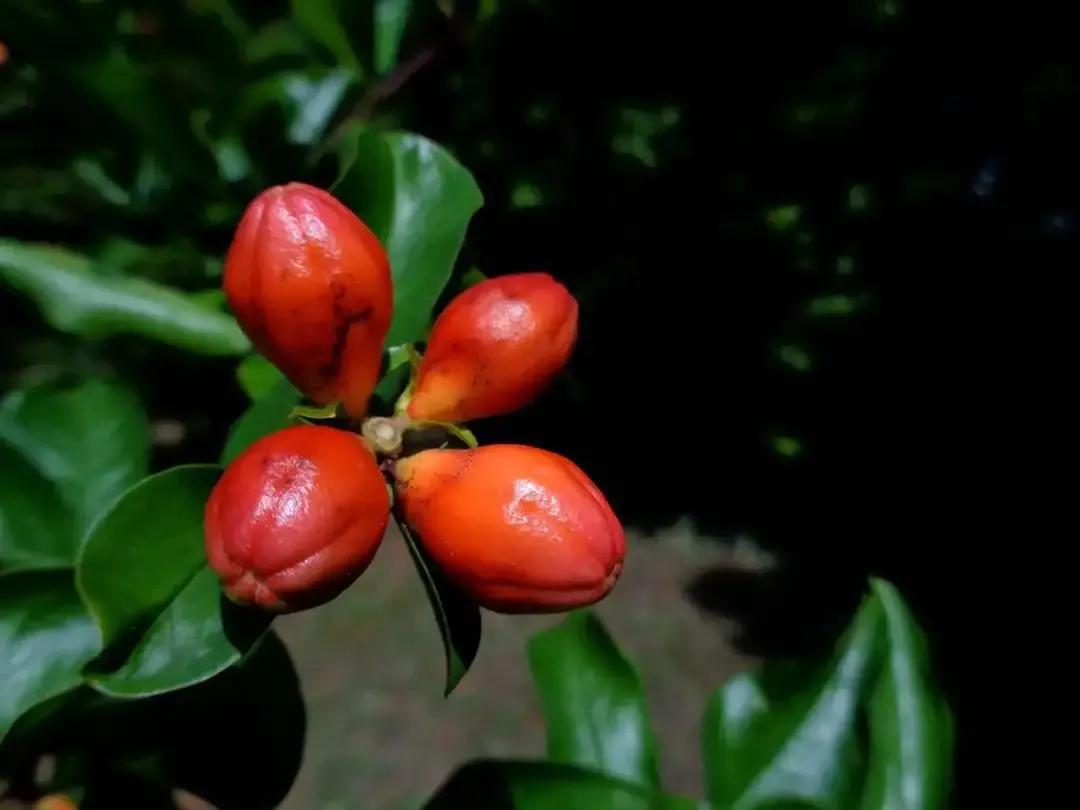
(90, 440)
(911, 731)
(73, 298)
(593, 701)
(791, 732)
(142, 573)
(419, 200)
(46, 636)
(312, 101)
(37, 529)
(197, 635)
(134, 94)
(502, 785)
(457, 616)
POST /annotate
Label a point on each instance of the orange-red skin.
(55, 801)
(296, 518)
(495, 348)
(518, 529)
(310, 286)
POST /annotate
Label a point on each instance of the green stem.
(314, 411)
(462, 433)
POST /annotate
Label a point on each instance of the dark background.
(784, 223)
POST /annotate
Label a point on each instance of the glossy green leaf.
(418, 199)
(323, 21)
(307, 100)
(790, 733)
(457, 616)
(257, 375)
(73, 298)
(911, 730)
(593, 701)
(390, 19)
(37, 529)
(196, 636)
(518, 785)
(142, 573)
(269, 413)
(145, 549)
(90, 440)
(46, 636)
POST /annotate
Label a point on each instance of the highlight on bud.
(310, 285)
(296, 518)
(494, 348)
(518, 529)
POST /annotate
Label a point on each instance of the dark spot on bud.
(330, 369)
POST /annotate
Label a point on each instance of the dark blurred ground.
(380, 734)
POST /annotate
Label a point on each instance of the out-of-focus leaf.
(307, 99)
(911, 731)
(229, 17)
(132, 94)
(280, 38)
(322, 19)
(789, 733)
(257, 375)
(518, 785)
(269, 413)
(593, 701)
(390, 19)
(458, 617)
(313, 103)
(142, 573)
(37, 529)
(31, 191)
(74, 299)
(835, 306)
(418, 199)
(91, 441)
(46, 636)
(261, 694)
(176, 262)
(93, 174)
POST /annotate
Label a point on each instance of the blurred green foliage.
(791, 734)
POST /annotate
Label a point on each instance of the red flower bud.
(296, 518)
(494, 348)
(520, 530)
(310, 285)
